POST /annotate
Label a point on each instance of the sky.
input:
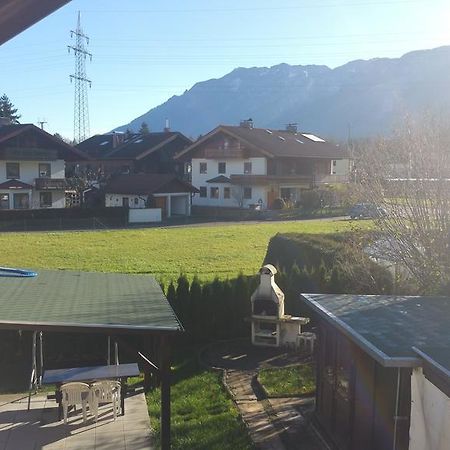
(145, 51)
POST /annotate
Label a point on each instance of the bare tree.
(409, 176)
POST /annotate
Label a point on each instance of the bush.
(278, 203)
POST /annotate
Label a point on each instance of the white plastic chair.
(106, 391)
(75, 394)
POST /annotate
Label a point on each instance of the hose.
(19, 273)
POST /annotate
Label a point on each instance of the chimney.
(247, 123)
(117, 139)
(268, 299)
(4, 121)
(167, 126)
(291, 127)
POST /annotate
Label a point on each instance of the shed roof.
(387, 327)
(147, 183)
(85, 301)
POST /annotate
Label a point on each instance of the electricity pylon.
(81, 107)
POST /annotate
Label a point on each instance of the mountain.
(363, 97)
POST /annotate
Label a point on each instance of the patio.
(39, 428)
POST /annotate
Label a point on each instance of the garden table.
(89, 375)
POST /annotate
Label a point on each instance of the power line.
(81, 107)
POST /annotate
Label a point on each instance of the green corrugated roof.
(66, 299)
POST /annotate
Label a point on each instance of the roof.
(91, 302)
(15, 184)
(219, 179)
(129, 146)
(10, 131)
(146, 184)
(277, 143)
(18, 15)
(437, 357)
(387, 327)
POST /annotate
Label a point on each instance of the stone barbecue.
(270, 326)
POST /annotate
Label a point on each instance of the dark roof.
(18, 15)
(387, 327)
(15, 184)
(437, 357)
(146, 184)
(276, 143)
(68, 152)
(91, 302)
(129, 146)
(219, 179)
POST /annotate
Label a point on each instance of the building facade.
(249, 167)
(32, 168)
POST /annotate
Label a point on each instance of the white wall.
(116, 200)
(430, 415)
(233, 167)
(29, 170)
(58, 199)
(144, 215)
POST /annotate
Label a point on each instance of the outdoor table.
(89, 375)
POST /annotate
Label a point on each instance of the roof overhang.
(17, 15)
(377, 354)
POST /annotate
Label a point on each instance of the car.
(366, 211)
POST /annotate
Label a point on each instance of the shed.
(368, 350)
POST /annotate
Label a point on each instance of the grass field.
(206, 251)
(294, 380)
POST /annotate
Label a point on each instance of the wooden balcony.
(50, 184)
(29, 154)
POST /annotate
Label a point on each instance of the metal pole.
(109, 351)
(33, 367)
(165, 392)
(116, 353)
(41, 357)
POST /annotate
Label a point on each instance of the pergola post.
(165, 391)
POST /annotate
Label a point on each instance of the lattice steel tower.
(81, 107)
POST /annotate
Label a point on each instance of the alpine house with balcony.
(32, 167)
(242, 166)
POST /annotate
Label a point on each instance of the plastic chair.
(106, 391)
(75, 394)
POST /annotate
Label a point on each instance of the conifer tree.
(7, 109)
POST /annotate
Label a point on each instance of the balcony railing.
(30, 154)
(51, 184)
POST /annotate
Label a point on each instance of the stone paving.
(39, 428)
(273, 424)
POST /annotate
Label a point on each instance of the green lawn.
(203, 416)
(206, 251)
(294, 380)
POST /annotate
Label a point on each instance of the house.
(122, 153)
(137, 191)
(32, 167)
(241, 166)
(383, 370)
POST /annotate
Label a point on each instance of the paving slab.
(39, 427)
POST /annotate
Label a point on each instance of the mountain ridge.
(361, 98)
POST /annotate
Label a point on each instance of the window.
(203, 191)
(187, 168)
(222, 167)
(136, 201)
(13, 171)
(21, 201)
(226, 192)
(214, 192)
(203, 167)
(45, 170)
(247, 192)
(4, 201)
(45, 199)
(247, 167)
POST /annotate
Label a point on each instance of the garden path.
(273, 424)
